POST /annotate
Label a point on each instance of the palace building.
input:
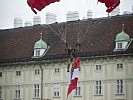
(33, 60)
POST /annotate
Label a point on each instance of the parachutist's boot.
(68, 67)
(67, 70)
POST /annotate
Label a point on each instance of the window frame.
(56, 70)
(1, 74)
(120, 86)
(17, 91)
(56, 90)
(1, 92)
(18, 73)
(120, 66)
(37, 71)
(36, 90)
(98, 67)
(98, 87)
(119, 45)
(37, 52)
(78, 91)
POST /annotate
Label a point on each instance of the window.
(119, 66)
(78, 91)
(0, 74)
(0, 92)
(17, 91)
(98, 67)
(37, 52)
(119, 45)
(56, 89)
(119, 86)
(18, 73)
(36, 90)
(37, 71)
(57, 70)
(98, 88)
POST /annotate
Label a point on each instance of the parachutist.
(71, 54)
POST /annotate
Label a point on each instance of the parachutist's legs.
(70, 60)
(68, 67)
(69, 63)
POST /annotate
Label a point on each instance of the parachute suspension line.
(78, 33)
(62, 32)
(58, 33)
(86, 31)
(55, 32)
(78, 38)
(65, 31)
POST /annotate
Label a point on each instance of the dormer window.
(122, 41)
(40, 47)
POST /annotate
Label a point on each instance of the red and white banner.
(74, 76)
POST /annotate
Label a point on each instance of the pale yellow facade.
(56, 78)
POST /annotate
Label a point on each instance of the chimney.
(72, 15)
(89, 14)
(18, 22)
(28, 23)
(36, 20)
(126, 12)
(50, 18)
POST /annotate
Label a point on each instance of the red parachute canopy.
(110, 4)
(39, 4)
(102, 1)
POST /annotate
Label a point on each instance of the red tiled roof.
(19, 42)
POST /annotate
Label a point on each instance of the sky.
(9, 9)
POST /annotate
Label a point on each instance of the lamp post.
(40, 49)
(39, 58)
(41, 82)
